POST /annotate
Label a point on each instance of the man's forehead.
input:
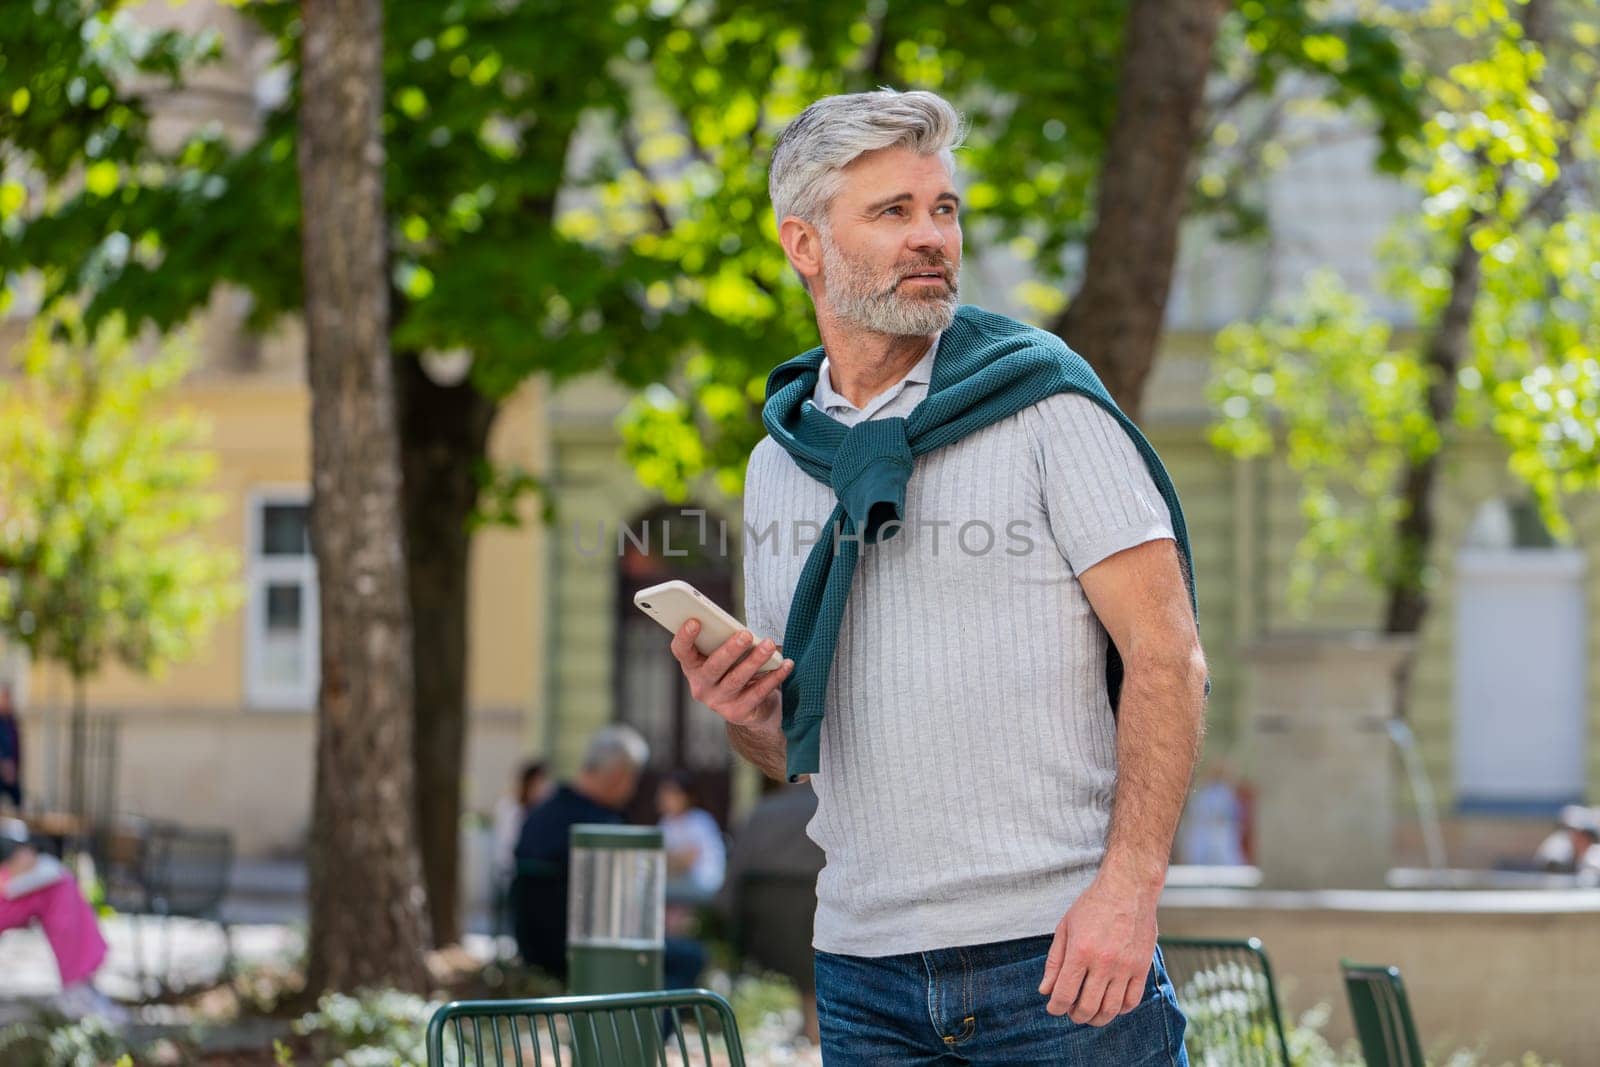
(896, 165)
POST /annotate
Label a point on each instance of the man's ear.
(803, 245)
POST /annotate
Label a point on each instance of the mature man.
(605, 783)
(994, 675)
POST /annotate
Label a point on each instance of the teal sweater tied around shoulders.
(987, 368)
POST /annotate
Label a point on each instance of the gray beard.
(860, 297)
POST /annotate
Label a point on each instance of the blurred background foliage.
(1500, 272)
(582, 187)
(107, 493)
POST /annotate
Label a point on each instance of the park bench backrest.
(185, 871)
(1382, 1014)
(615, 1030)
(1226, 991)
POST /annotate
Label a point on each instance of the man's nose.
(926, 236)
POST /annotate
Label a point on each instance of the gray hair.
(614, 745)
(830, 134)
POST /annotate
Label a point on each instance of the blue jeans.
(981, 1005)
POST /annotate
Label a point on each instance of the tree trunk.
(369, 922)
(444, 435)
(1414, 533)
(1115, 318)
(1447, 349)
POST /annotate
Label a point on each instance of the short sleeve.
(1098, 492)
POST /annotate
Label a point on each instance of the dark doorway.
(652, 695)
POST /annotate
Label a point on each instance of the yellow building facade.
(227, 738)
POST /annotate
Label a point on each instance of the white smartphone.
(676, 602)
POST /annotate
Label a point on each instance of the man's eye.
(890, 210)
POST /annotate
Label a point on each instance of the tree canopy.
(1497, 269)
(104, 503)
(1038, 83)
(602, 203)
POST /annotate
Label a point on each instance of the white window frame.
(261, 694)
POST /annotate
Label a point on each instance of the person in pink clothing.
(35, 888)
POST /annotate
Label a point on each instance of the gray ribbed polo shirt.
(968, 757)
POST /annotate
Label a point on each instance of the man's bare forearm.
(1160, 721)
(763, 743)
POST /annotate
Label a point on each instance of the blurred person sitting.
(770, 893)
(1566, 848)
(605, 783)
(696, 856)
(36, 888)
(1210, 833)
(10, 750)
(530, 785)
(1589, 866)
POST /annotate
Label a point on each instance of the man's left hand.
(1102, 952)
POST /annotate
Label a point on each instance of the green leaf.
(13, 198)
(101, 178)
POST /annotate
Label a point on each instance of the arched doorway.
(652, 695)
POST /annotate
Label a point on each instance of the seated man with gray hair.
(605, 783)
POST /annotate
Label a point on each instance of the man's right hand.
(726, 681)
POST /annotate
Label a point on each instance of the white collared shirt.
(897, 400)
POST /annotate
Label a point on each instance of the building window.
(281, 636)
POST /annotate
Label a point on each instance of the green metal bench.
(614, 1030)
(1382, 1014)
(1226, 991)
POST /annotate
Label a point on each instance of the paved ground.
(265, 908)
(27, 969)
(267, 914)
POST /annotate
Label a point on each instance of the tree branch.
(1219, 109)
(658, 208)
(875, 55)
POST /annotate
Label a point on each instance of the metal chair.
(1382, 1014)
(167, 871)
(1226, 991)
(615, 1030)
